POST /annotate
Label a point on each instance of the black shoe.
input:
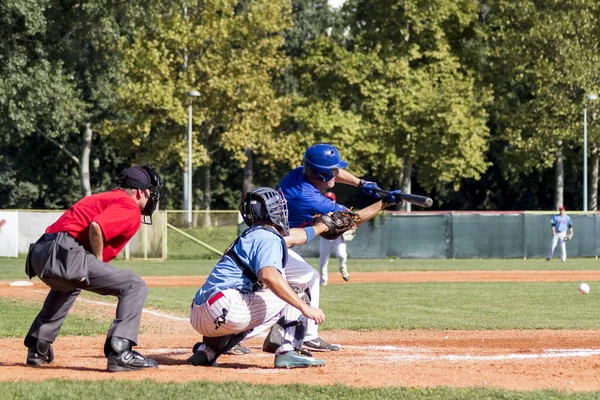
(129, 360)
(547, 259)
(319, 345)
(40, 353)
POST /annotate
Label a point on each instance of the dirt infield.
(525, 360)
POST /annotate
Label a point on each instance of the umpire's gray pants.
(62, 263)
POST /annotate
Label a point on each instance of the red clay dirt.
(523, 360)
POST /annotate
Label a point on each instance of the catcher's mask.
(264, 204)
(321, 160)
(143, 177)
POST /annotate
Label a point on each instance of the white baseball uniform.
(325, 248)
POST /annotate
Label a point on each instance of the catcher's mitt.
(338, 223)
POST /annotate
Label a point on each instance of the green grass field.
(365, 306)
(76, 390)
(13, 268)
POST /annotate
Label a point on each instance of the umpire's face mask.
(155, 190)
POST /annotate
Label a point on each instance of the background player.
(247, 290)
(338, 245)
(72, 256)
(562, 230)
(322, 167)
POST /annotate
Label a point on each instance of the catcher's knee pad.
(276, 336)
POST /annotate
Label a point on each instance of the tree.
(543, 61)
(387, 89)
(230, 52)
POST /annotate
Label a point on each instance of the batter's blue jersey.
(304, 200)
(561, 224)
(258, 249)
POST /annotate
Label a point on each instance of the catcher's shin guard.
(276, 336)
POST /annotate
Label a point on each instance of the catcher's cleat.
(319, 344)
(129, 360)
(40, 353)
(297, 359)
(239, 351)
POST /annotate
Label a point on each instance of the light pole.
(188, 182)
(590, 97)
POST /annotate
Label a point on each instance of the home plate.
(21, 283)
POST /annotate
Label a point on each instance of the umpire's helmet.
(264, 204)
(143, 177)
(320, 159)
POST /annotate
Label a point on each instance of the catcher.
(247, 292)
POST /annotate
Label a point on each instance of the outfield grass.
(76, 390)
(13, 268)
(381, 306)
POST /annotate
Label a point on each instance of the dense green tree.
(543, 60)
(229, 52)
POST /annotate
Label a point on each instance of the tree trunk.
(84, 161)
(560, 178)
(594, 176)
(405, 181)
(248, 172)
(207, 197)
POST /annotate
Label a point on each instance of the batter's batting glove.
(392, 198)
(370, 188)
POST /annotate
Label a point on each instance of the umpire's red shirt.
(117, 214)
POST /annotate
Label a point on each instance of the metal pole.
(189, 168)
(585, 188)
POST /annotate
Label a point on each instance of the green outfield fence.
(427, 234)
(466, 235)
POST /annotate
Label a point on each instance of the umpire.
(72, 256)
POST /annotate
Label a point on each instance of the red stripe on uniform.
(215, 298)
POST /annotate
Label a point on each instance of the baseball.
(584, 288)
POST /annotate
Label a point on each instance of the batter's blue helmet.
(264, 204)
(320, 159)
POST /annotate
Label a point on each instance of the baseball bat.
(421, 201)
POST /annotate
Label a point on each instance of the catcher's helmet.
(330, 195)
(264, 204)
(320, 159)
(143, 177)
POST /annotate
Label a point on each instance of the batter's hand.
(316, 314)
(370, 188)
(392, 198)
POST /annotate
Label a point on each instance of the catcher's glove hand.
(338, 223)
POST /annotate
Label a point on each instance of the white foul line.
(102, 303)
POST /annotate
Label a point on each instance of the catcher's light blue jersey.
(304, 200)
(561, 223)
(258, 249)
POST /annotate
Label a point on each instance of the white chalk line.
(550, 353)
(103, 303)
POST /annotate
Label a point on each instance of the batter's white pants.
(559, 238)
(231, 312)
(325, 248)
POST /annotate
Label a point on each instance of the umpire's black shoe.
(129, 360)
(319, 344)
(40, 353)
